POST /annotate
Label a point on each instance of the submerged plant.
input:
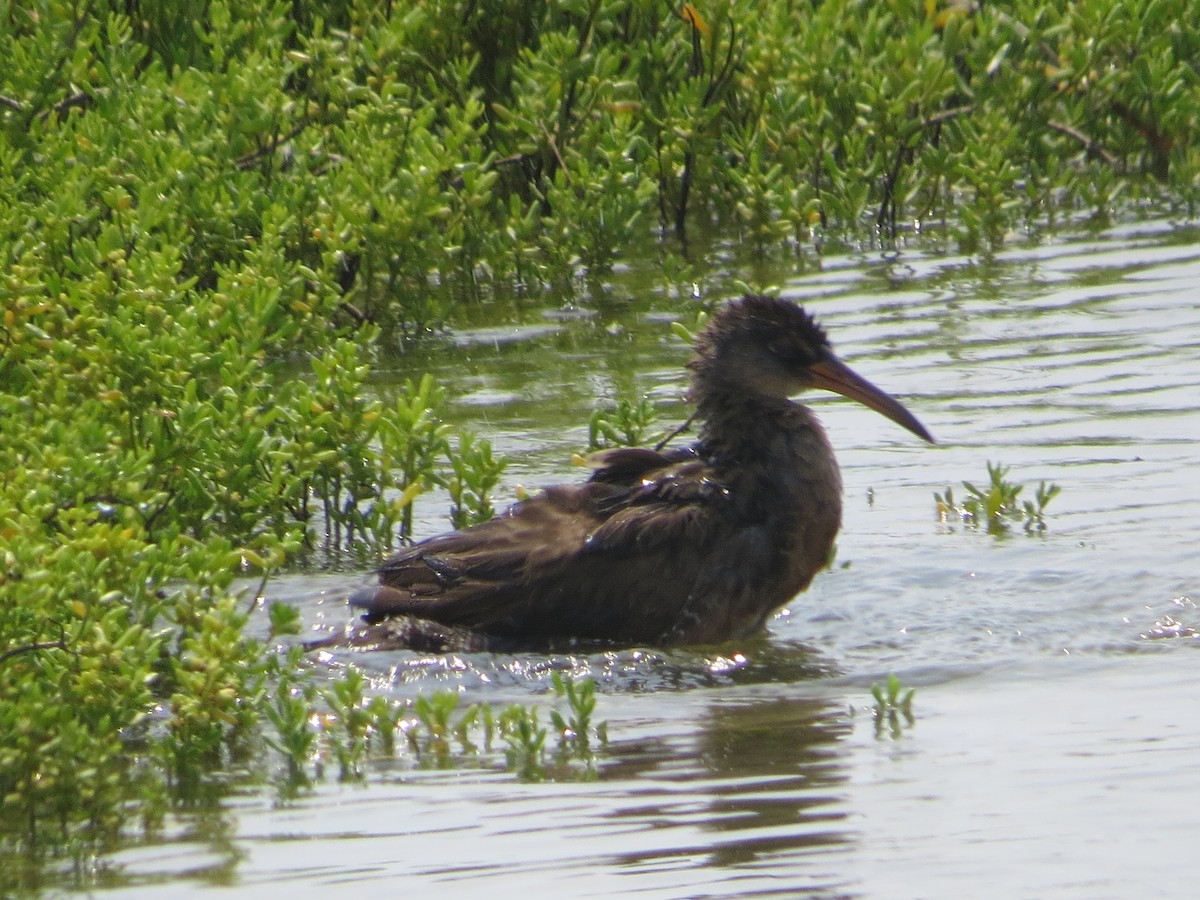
(476, 474)
(349, 723)
(998, 506)
(893, 703)
(289, 711)
(526, 740)
(575, 732)
(437, 725)
(413, 439)
(626, 425)
(435, 729)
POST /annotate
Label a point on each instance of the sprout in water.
(998, 507)
(893, 703)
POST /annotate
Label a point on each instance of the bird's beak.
(834, 375)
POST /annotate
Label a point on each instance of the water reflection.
(744, 794)
(775, 773)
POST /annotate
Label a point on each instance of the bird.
(695, 545)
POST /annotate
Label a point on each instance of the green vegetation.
(576, 732)
(211, 212)
(404, 158)
(437, 733)
(627, 424)
(893, 707)
(575, 756)
(998, 507)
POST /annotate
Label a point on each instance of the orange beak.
(834, 375)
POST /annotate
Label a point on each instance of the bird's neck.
(773, 460)
(744, 428)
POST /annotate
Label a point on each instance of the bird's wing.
(628, 466)
(671, 505)
(552, 555)
(464, 577)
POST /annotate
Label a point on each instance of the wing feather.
(510, 574)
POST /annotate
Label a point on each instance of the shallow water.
(1054, 743)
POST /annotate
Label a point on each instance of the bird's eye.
(778, 349)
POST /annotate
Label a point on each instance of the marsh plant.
(893, 707)
(574, 758)
(476, 472)
(627, 424)
(339, 723)
(998, 507)
(575, 730)
(435, 728)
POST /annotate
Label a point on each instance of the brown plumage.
(686, 546)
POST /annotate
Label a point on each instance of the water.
(1053, 752)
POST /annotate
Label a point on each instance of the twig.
(1160, 144)
(553, 145)
(31, 648)
(946, 115)
(248, 160)
(888, 208)
(1090, 146)
(80, 99)
(674, 434)
(353, 312)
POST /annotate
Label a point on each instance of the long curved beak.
(834, 375)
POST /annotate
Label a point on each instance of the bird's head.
(772, 347)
